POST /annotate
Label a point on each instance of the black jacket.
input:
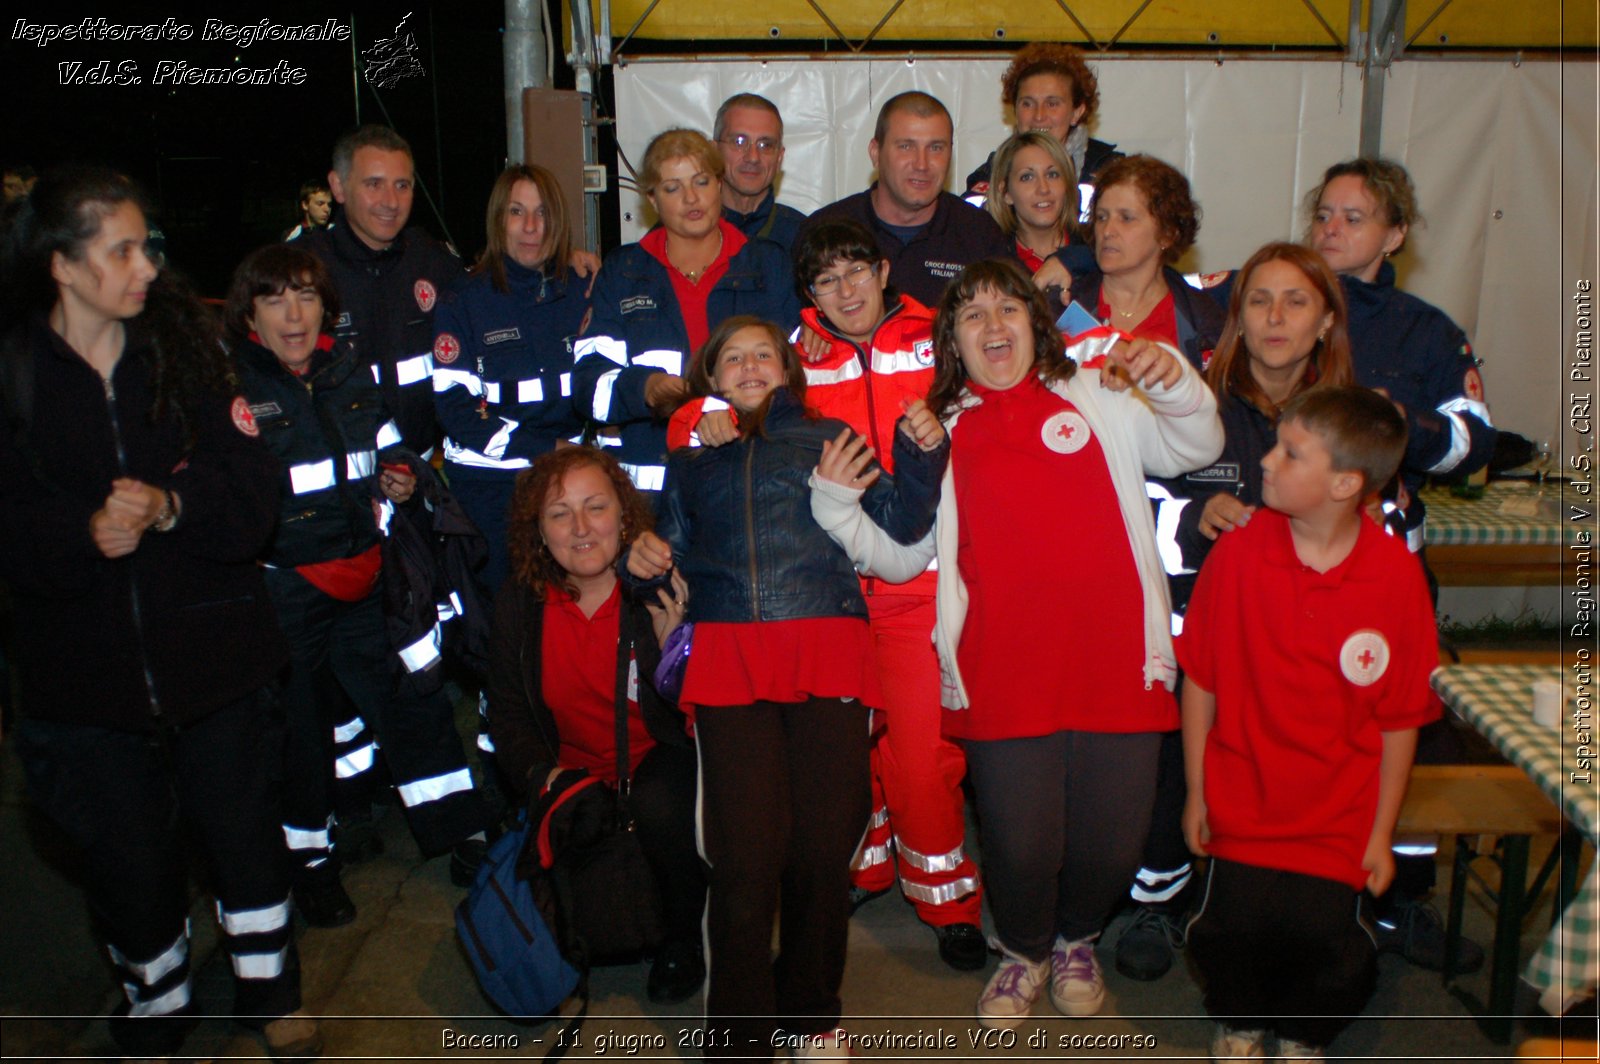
(182, 626)
(1200, 320)
(386, 314)
(739, 520)
(957, 235)
(329, 431)
(526, 732)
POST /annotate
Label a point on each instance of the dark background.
(223, 164)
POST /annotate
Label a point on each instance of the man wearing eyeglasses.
(749, 131)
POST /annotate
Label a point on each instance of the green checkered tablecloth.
(1457, 522)
(1497, 700)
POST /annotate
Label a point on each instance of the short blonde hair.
(678, 144)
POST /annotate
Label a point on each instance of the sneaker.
(1076, 987)
(962, 946)
(293, 1037)
(1415, 930)
(1011, 992)
(1144, 952)
(829, 1045)
(1228, 1044)
(466, 859)
(859, 896)
(677, 973)
(1289, 1049)
(322, 900)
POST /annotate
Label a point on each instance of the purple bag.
(674, 661)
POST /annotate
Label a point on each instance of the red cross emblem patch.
(1364, 658)
(1065, 432)
(426, 294)
(446, 348)
(243, 419)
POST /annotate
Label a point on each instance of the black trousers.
(135, 804)
(663, 800)
(1166, 869)
(333, 642)
(785, 794)
(1282, 951)
(1064, 819)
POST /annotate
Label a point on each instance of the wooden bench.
(1468, 801)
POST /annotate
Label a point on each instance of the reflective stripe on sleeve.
(566, 385)
(485, 743)
(420, 792)
(608, 346)
(894, 362)
(531, 391)
(311, 476)
(445, 379)
(355, 762)
(661, 358)
(306, 838)
(388, 435)
(646, 477)
(409, 371)
(602, 394)
(348, 730)
(466, 456)
(848, 371)
(424, 652)
(359, 465)
(1460, 442)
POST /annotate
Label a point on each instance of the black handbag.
(598, 885)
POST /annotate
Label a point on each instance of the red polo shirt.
(579, 680)
(693, 295)
(1309, 669)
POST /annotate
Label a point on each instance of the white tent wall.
(1503, 154)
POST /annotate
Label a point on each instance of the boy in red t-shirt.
(1306, 650)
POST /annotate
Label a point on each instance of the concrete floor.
(395, 986)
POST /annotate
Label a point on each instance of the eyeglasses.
(854, 277)
(763, 145)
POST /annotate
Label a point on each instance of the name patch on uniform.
(243, 419)
(1221, 473)
(446, 348)
(500, 336)
(1065, 432)
(922, 351)
(426, 294)
(265, 409)
(1364, 658)
(946, 270)
(635, 303)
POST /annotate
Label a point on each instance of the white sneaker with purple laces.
(1076, 987)
(1011, 991)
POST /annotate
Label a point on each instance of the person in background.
(749, 131)
(560, 624)
(320, 413)
(1297, 757)
(927, 233)
(316, 208)
(779, 684)
(1061, 722)
(1034, 200)
(1285, 332)
(137, 496)
(19, 180)
(1049, 88)
(503, 353)
(657, 301)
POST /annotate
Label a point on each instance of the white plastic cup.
(1547, 703)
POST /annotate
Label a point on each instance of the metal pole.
(1386, 21)
(524, 51)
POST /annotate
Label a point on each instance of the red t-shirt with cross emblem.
(1054, 634)
(1309, 669)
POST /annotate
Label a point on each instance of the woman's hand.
(814, 347)
(1223, 513)
(113, 538)
(664, 393)
(1053, 275)
(135, 503)
(843, 460)
(921, 425)
(674, 605)
(585, 264)
(397, 485)
(650, 557)
(1144, 363)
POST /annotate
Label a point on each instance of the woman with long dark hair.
(137, 498)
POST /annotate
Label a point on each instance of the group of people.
(850, 450)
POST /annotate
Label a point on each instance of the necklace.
(693, 276)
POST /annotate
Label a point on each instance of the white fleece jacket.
(1163, 432)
